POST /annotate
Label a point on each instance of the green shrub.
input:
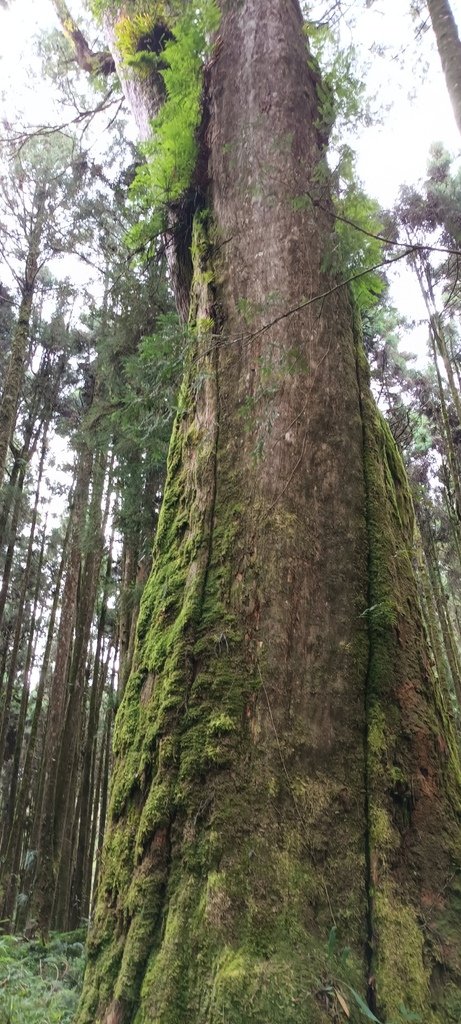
(40, 984)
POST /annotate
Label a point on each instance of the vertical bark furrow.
(412, 762)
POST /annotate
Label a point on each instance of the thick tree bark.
(284, 761)
(449, 47)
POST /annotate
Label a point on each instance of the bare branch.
(99, 63)
(21, 137)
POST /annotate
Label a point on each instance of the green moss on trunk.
(219, 865)
(219, 882)
(413, 775)
(284, 770)
(213, 865)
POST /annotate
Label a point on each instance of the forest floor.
(40, 984)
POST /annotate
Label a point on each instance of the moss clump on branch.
(141, 39)
(171, 155)
(165, 38)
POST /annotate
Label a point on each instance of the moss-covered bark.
(413, 775)
(284, 766)
(220, 856)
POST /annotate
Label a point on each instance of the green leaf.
(409, 1015)
(332, 941)
(345, 954)
(365, 1010)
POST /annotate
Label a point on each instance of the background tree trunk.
(16, 368)
(47, 854)
(449, 47)
(15, 839)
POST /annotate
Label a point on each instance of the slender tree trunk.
(442, 611)
(436, 328)
(432, 619)
(102, 785)
(9, 558)
(81, 881)
(284, 759)
(453, 518)
(71, 743)
(144, 566)
(19, 627)
(93, 808)
(9, 810)
(8, 498)
(449, 47)
(12, 859)
(14, 377)
(46, 852)
(135, 572)
(128, 609)
(99, 778)
(14, 503)
(452, 462)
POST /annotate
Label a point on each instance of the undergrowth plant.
(40, 984)
(343, 1000)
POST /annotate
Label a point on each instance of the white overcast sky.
(389, 154)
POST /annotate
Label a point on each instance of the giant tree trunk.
(449, 47)
(284, 763)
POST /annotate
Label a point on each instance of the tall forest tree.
(449, 47)
(285, 768)
(98, 380)
(37, 200)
